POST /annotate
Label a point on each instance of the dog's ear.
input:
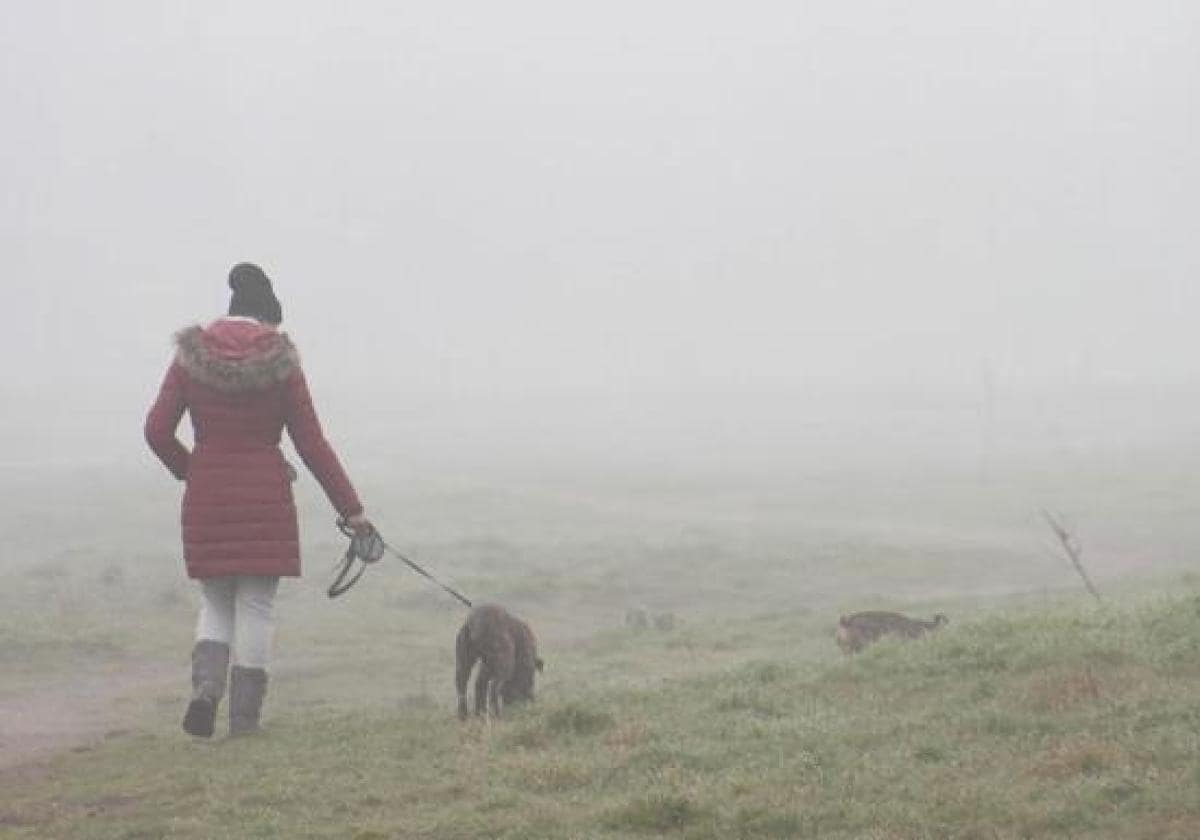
(539, 664)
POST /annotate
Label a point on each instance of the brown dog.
(507, 650)
(857, 631)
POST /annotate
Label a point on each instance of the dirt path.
(69, 713)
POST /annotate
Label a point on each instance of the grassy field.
(1034, 714)
(1065, 720)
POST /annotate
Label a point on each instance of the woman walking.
(240, 380)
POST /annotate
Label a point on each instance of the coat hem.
(233, 570)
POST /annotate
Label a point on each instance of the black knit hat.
(252, 294)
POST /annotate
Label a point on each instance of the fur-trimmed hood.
(232, 354)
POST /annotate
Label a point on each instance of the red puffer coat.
(242, 384)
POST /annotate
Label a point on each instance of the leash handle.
(340, 585)
(365, 546)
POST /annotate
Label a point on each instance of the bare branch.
(1071, 546)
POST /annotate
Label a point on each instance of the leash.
(368, 547)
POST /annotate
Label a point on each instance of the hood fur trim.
(266, 364)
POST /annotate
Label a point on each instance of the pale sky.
(617, 198)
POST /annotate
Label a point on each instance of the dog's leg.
(464, 661)
(503, 662)
(495, 706)
(482, 680)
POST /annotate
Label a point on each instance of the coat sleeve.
(305, 431)
(163, 420)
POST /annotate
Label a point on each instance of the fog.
(662, 235)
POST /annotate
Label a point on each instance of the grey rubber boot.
(210, 662)
(247, 686)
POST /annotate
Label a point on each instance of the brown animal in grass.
(857, 631)
(506, 649)
(640, 618)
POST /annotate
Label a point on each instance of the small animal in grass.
(640, 618)
(857, 631)
(664, 622)
(506, 650)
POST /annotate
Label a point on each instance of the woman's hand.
(359, 523)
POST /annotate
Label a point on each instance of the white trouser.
(236, 610)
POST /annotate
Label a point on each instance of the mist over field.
(874, 265)
(699, 229)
